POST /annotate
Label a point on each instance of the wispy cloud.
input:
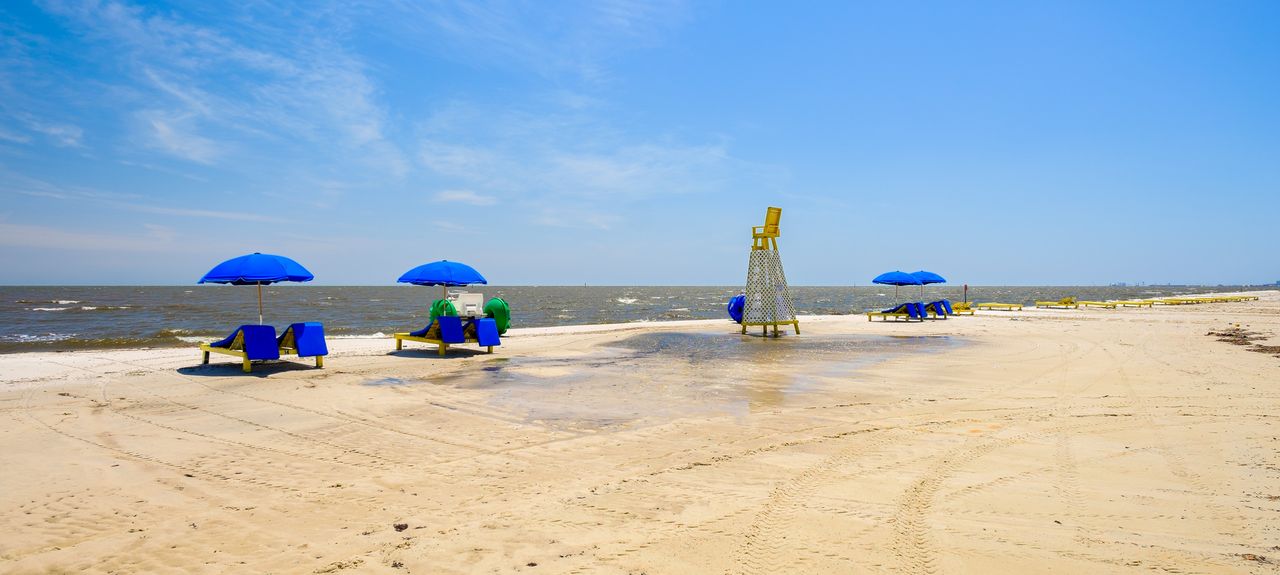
(15, 183)
(209, 90)
(575, 40)
(45, 237)
(465, 197)
(176, 135)
(65, 135)
(569, 157)
(13, 137)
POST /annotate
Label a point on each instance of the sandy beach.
(1065, 441)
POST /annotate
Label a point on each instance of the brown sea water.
(46, 318)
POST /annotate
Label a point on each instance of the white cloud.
(465, 197)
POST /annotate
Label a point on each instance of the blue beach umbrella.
(896, 279)
(257, 269)
(927, 278)
(442, 273)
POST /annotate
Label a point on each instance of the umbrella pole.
(259, 303)
(444, 292)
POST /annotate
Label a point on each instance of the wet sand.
(1099, 441)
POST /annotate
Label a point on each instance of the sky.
(620, 142)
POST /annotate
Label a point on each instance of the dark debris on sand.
(1239, 336)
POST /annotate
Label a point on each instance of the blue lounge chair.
(304, 340)
(487, 333)
(908, 311)
(938, 309)
(946, 304)
(248, 342)
(451, 333)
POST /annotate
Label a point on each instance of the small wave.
(27, 338)
(103, 307)
(50, 308)
(563, 316)
(65, 301)
(679, 309)
(626, 300)
(357, 335)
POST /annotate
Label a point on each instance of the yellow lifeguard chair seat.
(770, 229)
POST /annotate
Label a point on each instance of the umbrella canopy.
(895, 279)
(257, 269)
(927, 278)
(442, 273)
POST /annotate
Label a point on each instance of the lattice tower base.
(769, 300)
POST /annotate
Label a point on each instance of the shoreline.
(1090, 440)
(134, 318)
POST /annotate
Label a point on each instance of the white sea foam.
(26, 338)
(626, 300)
(65, 301)
(49, 308)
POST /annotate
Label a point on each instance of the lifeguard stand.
(768, 298)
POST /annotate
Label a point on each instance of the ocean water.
(85, 317)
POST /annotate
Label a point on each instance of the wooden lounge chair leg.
(797, 326)
(490, 349)
(319, 361)
(441, 348)
(206, 358)
(247, 367)
(399, 343)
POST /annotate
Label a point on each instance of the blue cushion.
(946, 304)
(915, 310)
(308, 339)
(226, 341)
(422, 332)
(260, 342)
(487, 332)
(451, 329)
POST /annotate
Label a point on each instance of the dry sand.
(1068, 441)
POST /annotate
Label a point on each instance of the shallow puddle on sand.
(392, 381)
(665, 375)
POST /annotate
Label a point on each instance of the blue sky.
(621, 142)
